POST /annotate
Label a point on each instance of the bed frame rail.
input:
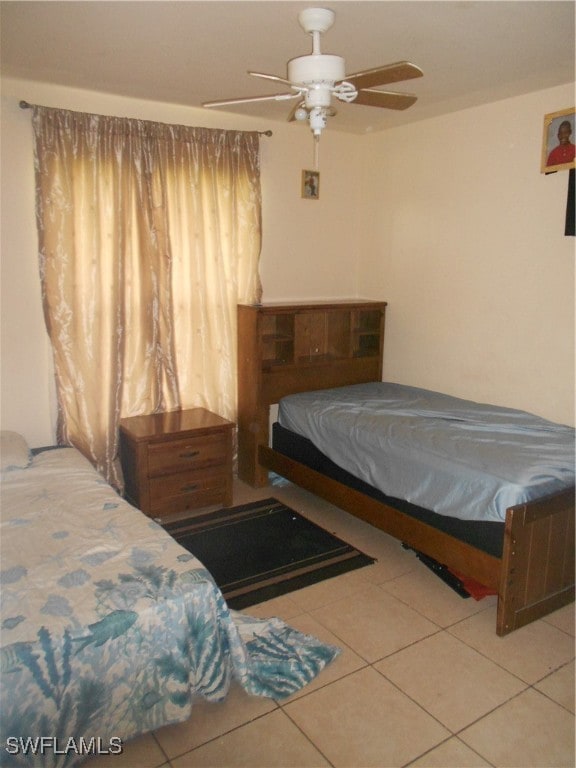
(441, 546)
(535, 575)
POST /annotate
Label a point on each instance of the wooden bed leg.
(537, 575)
(252, 432)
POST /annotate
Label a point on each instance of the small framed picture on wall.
(311, 185)
(558, 141)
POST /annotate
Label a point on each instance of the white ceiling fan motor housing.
(318, 72)
(316, 68)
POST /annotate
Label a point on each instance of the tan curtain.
(149, 235)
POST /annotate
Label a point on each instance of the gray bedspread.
(455, 457)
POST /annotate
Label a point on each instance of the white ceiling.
(191, 51)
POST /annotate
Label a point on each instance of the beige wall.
(465, 240)
(449, 220)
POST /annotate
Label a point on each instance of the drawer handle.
(190, 487)
(189, 454)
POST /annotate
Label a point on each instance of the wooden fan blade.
(270, 77)
(392, 73)
(246, 100)
(384, 99)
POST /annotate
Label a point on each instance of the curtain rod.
(25, 105)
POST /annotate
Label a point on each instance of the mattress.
(455, 457)
(481, 534)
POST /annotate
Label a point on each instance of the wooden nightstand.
(176, 461)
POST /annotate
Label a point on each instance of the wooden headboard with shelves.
(285, 348)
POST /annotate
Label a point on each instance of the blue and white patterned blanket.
(109, 627)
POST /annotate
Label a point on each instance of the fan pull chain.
(316, 152)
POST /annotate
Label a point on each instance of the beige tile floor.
(422, 679)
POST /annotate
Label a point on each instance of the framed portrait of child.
(558, 141)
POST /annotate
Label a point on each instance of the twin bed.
(109, 627)
(485, 491)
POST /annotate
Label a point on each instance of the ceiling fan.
(316, 78)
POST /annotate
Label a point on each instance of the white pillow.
(14, 451)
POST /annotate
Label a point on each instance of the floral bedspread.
(109, 628)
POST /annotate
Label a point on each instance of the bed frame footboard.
(535, 575)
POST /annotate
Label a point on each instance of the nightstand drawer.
(187, 490)
(181, 455)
